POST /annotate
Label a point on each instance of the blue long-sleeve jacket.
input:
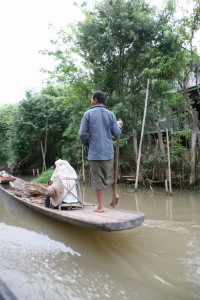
(97, 127)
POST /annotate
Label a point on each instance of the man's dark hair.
(100, 96)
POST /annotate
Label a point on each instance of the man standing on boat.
(97, 127)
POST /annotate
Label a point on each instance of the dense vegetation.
(117, 48)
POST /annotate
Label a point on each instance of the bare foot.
(99, 209)
(114, 201)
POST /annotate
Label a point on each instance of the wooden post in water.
(193, 148)
(43, 157)
(169, 164)
(141, 138)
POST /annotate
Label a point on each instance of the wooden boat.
(113, 219)
(6, 179)
(5, 292)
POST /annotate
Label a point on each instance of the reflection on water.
(45, 259)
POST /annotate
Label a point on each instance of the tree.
(38, 122)
(7, 113)
(118, 46)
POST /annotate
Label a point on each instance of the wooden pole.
(116, 172)
(45, 144)
(43, 156)
(166, 186)
(162, 149)
(169, 164)
(141, 138)
(83, 164)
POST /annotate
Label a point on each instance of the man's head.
(99, 97)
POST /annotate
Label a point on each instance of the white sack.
(64, 169)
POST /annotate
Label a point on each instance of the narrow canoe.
(6, 179)
(113, 219)
(5, 292)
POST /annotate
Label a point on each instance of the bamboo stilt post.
(83, 164)
(141, 138)
(193, 174)
(135, 145)
(44, 149)
(166, 186)
(162, 149)
(169, 164)
(45, 144)
(43, 157)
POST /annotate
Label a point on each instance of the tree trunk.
(154, 166)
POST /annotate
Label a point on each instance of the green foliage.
(118, 45)
(70, 66)
(149, 164)
(116, 48)
(155, 165)
(187, 132)
(7, 113)
(44, 177)
(179, 155)
(114, 39)
(37, 117)
(78, 100)
(176, 101)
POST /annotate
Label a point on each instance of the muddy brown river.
(44, 259)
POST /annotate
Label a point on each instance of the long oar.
(114, 200)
